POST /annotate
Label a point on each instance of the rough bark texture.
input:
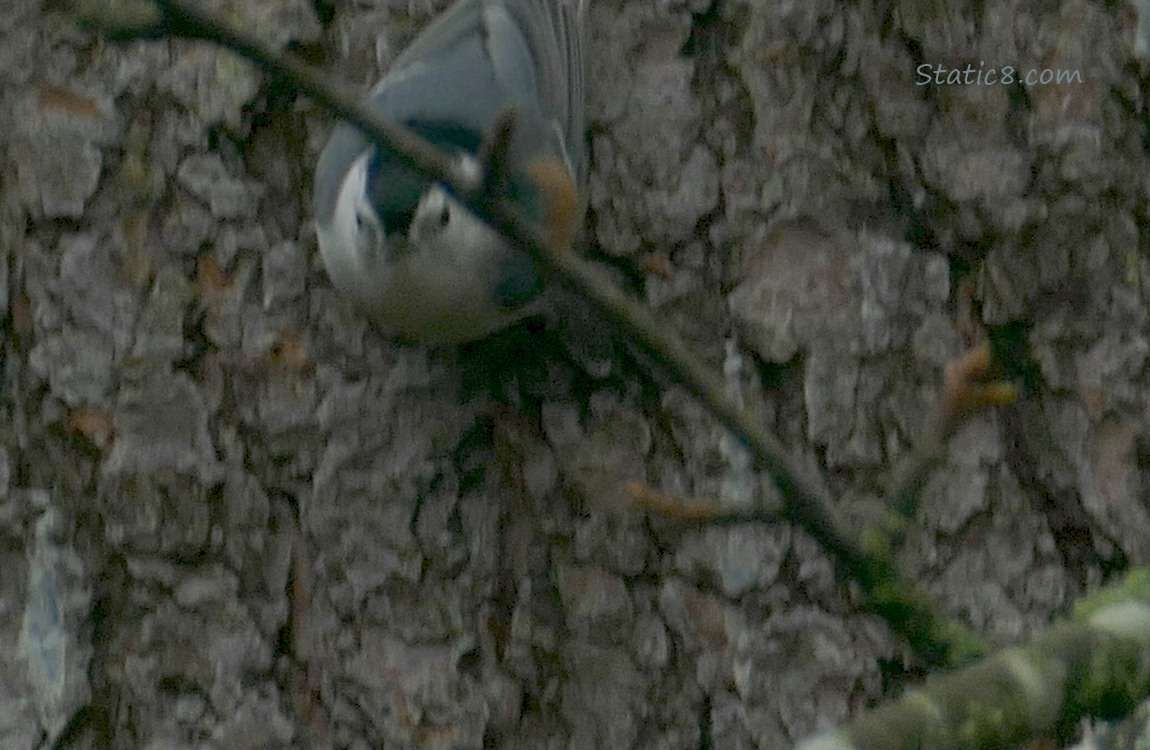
(232, 516)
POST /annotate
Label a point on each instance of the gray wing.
(535, 48)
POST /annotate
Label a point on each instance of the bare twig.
(806, 501)
(968, 389)
(177, 18)
(693, 510)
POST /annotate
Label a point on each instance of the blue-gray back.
(475, 61)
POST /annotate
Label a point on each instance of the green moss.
(1135, 585)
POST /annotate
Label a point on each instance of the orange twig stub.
(670, 506)
(968, 388)
(562, 215)
(92, 424)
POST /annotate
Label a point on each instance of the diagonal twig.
(807, 503)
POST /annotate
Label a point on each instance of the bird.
(402, 248)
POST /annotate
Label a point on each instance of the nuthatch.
(404, 249)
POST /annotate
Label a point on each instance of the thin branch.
(177, 18)
(968, 389)
(807, 503)
(695, 510)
